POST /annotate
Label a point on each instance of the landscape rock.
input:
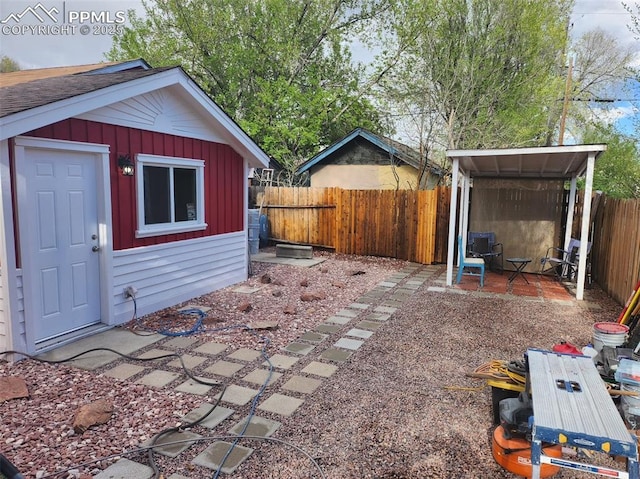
(289, 309)
(12, 387)
(312, 296)
(245, 307)
(265, 279)
(92, 414)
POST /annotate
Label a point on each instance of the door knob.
(95, 248)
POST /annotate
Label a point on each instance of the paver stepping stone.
(373, 325)
(258, 426)
(189, 361)
(210, 348)
(194, 387)
(212, 457)
(172, 450)
(125, 469)
(181, 342)
(224, 368)
(157, 353)
(237, 394)
(359, 333)
(320, 369)
(298, 348)
(245, 354)
(158, 378)
(177, 476)
(259, 376)
(387, 284)
(378, 316)
(281, 361)
(245, 289)
(313, 337)
(215, 417)
(359, 305)
(349, 313)
(189, 307)
(281, 404)
(436, 289)
(124, 371)
(384, 309)
(328, 328)
(301, 384)
(338, 355)
(348, 343)
(338, 319)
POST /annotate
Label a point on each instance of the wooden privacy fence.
(615, 257)
(402, 224)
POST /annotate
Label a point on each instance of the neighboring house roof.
(398, 150)
(34, 103)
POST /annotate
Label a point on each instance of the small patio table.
(519, 264)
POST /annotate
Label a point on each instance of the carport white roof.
(539, 162)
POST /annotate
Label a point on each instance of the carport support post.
(452, 220)
(571, 207)
(584, 232)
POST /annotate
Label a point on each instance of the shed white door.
(60, 197)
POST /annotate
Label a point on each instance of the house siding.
(169, 274)
(224, 176)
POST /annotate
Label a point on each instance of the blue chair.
(469, 263)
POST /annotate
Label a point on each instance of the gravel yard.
(400, 407)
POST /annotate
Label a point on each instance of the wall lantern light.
(125, 164)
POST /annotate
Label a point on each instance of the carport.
(554, 163)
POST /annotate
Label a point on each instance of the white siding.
(172, 273)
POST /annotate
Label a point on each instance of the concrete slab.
(328, 328)
(224, 368)
(359, 333)
(212, 457)
(373, 325)
(118, 339)
(281, 404)
(259, 377)
(194, 387)
(215, 417)
(257, 426)
(245, 289)
(158, 378)
(125, 469)
(281, 361)
(298, 348)
(172, 450)
(320, 369)
(338, 319)
(238, 395)
(337, 355)
(271, 258)
(162, 354)
(211, 348)
(312, 337)
(189, 361)
(384, 309)
(302, 384)
(124, 371)
(359, 306)
(347, 343)
(245, 354)
(181, 342)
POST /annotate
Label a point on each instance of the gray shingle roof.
(32, 94)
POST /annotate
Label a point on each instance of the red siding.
(224, 183)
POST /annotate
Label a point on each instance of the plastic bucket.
(609, 334)
(632, 402)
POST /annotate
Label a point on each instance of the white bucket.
(609, 334)
(632, 402)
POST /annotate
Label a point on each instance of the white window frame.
(170, 162)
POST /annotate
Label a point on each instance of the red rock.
(12, 387)
(245, 307)
(289, 309)
(312, 296)
(304, 283)
(94, 413)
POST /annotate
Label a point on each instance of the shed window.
(170, 195)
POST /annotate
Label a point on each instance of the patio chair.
(483, 245)
(564, 263)
(469, 263)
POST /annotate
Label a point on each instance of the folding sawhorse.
(572, 407)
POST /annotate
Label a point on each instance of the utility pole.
(565, 105)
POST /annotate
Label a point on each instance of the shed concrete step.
(294, 251)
